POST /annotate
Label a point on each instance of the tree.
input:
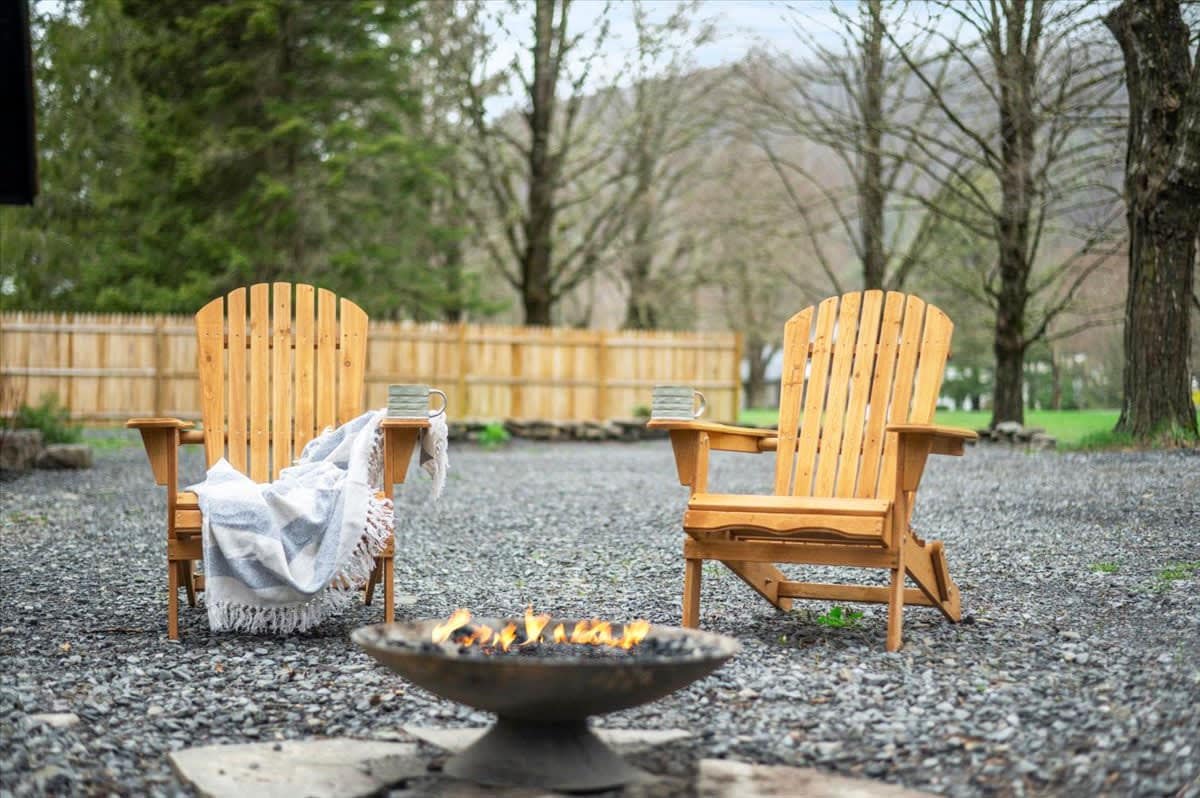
(1162, 193)
(1023, 157)
(666, 113)
(275, 147)
(54, 254)
(842, 104)
(555, 203)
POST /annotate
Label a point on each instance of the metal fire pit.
(541, 736)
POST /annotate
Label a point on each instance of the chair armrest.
(399, 439)
(162, 437)
(158, 423)
(942, 440)
(724, 437)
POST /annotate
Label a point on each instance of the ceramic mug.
(412, 401)
(676, 402)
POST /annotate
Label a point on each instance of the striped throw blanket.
(281, 557)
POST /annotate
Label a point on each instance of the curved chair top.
(277, 363)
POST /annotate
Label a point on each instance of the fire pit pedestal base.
(563, 755)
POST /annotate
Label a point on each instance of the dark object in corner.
(18, 166)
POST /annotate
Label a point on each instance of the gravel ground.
(1064, 681)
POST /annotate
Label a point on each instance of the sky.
(739, 25)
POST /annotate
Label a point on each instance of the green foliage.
(51, 418)
(493, 435)
(1103, 567)
(1177, 571)
(187, 148)
(641, 411)
(840, 617)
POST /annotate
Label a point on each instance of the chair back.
(277, 363)
(852, 365)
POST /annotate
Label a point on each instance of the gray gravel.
(1065, 681)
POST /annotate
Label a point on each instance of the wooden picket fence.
(109, 367)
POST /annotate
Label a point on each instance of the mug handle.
(703, 404)
(445, 401)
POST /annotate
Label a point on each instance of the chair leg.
(389, 590)
(187, 572)
(895, 610)
(173, 600)
(691, 592)
(372, 581)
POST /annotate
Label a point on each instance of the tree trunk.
(870, 187)
(758, 355)
(1162, 187)
(1018, 70)
(536, 290)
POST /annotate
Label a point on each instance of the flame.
(459, 619)
(534, 624)
(585, 632)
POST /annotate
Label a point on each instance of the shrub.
(51, 418)
(493, 435)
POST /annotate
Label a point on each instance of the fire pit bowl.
(541, 737)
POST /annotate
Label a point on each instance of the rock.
(722, 778)
(56, 720)
(1009, 428)
(19, 448)
(65, 455)
(314, 768)
(1041, 440)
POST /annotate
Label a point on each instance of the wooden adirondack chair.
(269, 383)
(860, 382)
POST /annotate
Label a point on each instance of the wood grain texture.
(305, 366)
(282, 389)
(210, 366)
(260, 382)
(237, 425)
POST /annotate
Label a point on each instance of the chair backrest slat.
(305, 353)
(327, 339)
(816, 385)
(860, 393)
(287, 369)
(834, 421)
(874, 359)
(237, 423)
(881, 386)
(260, 382)
(210, 365)
(795, 359)
(352, 361)
(281, 378)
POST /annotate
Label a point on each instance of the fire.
(594, 632)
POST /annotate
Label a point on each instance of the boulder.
(65, 455)
(19, 448)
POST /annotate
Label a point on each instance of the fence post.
(516, 400)
(739, 343)
(464, 365)
(602, 375)
(160, 360)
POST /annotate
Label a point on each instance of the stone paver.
(723, 778)
(333, 768)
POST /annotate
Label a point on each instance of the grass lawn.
(1069, 426)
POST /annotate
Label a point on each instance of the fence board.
(109, 367)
